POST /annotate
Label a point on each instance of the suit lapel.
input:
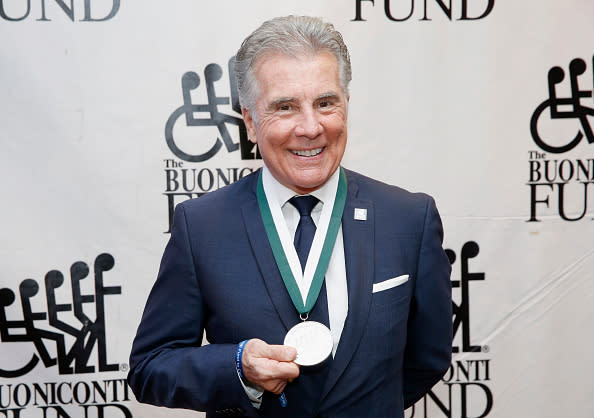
(265, 258)
(359, 259)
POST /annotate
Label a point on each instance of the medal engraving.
(312, 340)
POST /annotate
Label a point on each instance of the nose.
(308, 125)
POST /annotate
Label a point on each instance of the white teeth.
(308, 152)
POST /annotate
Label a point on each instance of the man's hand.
(269, 366)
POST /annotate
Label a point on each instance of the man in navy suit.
(230, 268)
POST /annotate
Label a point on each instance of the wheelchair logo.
(210, 116)
(461, 312)
(86, 334)
(565, 108)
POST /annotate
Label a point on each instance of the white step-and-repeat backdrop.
(485, 104)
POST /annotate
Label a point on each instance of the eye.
(284, 107)
(326, 102)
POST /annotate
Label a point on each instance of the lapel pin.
(360, 214)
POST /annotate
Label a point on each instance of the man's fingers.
(278, 388)
(287, 370)
(279, 352)
(269, 366)
(259, 349)
(264, 368)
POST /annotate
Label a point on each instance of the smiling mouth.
(307, 152)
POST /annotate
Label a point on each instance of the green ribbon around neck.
(327, 248)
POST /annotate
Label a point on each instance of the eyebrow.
(281, 100)
(328, 95)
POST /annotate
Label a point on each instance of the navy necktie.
(306, 229)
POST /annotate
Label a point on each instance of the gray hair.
(291, 36)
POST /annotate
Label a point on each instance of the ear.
(249, 124)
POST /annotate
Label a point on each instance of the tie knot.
(304, 204)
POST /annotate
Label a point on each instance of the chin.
(310, 185)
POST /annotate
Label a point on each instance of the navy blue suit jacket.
(218, 275)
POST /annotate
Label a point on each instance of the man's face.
(300, 121)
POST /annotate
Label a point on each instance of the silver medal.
(312, 340)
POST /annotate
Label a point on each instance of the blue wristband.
(283, 400)
(238, 355)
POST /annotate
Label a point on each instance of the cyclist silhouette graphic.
(556, 75)
(191, 81)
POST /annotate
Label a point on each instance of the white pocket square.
(390, 283)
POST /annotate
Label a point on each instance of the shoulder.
(397, 211)
(387, 195)
(229, 198)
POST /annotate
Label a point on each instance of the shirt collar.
(283, 194)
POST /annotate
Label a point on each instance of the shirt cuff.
(253, 392)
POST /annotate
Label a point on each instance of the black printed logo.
(558, 108)
(403, 10)
(87, 332)
(461, 311)
(561, 186)
(79, 10)
(204, 115)
(467, 391)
